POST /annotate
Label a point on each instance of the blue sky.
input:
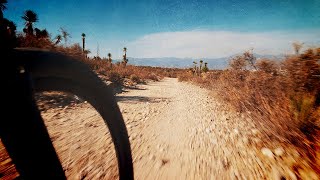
(182, 28)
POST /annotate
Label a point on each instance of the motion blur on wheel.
(79, 135)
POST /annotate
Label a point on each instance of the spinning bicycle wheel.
(25, 135)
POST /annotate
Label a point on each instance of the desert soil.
(177, 131)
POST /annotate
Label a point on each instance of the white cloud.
(213, 44)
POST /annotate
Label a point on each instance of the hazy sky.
(182, 28)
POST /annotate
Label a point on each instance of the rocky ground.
(177, 131)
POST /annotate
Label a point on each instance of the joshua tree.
(250, 58)
(2, 7)
(58, 39)
(83, 41)
(297, 47)
(30, 17)
(200, 66)
(65, 35)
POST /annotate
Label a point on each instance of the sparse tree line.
(118, 72)
(202, 68)
(109, 59)
(32, 36)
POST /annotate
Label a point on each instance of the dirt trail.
(181, 135)
(177, 131)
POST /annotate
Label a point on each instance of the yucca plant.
(200, 69)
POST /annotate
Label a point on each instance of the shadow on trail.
(137, 99)
(55, 99)
(117, 89)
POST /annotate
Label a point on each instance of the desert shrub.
(74, 51)
(238, 63)
(185, 77)
(134, 78)
(303, 72)
(267, 66)
(115, 77)
(135, 74)
(33, 41)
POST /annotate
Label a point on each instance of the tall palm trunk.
(195, 68)
(200, 68)
(83, 43)
(125, 60)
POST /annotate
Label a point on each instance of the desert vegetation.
(118, 72)
(282, 96)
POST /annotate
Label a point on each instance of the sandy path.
(177, 131)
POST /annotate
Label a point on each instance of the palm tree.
(83, 41)
(109, 58)
(2, 7)
(200, 66)
(30, 17)
(195, 67)
(125, 51)
(125, 60)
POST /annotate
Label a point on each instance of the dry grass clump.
(118, 73)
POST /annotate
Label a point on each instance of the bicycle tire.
(57, 72)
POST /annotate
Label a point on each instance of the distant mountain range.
(173, 62)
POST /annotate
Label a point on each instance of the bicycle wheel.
(56, 72)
